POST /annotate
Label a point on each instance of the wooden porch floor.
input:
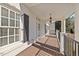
(47, 46)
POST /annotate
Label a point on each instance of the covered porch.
(43, 30)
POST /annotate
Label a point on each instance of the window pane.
(38, 27)
(16, 31)
(11, 31)
(12, 22)
(17, 16)
(16, 38)
(0, 42)
(4, 31)
(12, 14)
(4, 12)
(17, 23)
(0, 32)
(4, 21)
(11, 39)
(3, 41)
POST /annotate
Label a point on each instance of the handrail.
(72, 39)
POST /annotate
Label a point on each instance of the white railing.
(68, 46)
(60, 38)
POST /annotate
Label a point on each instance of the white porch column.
(63, 26)
(63, 30)
(48, 29)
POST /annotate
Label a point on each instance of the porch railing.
(71, 46)
(68, 46)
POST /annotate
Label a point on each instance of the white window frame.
(0, 15)
(9, 25)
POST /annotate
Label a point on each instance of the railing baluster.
(68, 47)
(75, 48)
(64, 45)
(78, 49)
(72, 47)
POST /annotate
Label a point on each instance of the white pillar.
(62, 42)
(63, 30)
(63, 26)
(57, 31)
(47, 28)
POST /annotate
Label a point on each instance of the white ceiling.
(58, 10)
(32, 4)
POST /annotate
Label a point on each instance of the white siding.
(32, 21)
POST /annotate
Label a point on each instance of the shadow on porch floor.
(46, 46)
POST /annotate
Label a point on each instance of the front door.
(26, 27)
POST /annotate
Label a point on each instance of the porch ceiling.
(58, 10)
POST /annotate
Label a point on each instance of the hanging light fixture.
(50, 18)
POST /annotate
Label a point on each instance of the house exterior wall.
(32, 22)
(21, 8)
(5, 49)
(40, 32)
(42, 27)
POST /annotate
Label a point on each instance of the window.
(3, 41)
(16, 38)
(38, 27)
(12, 22)
(11, 39)
(9, 29)
(4, 21)
(0, 32)
(12, 18)
(17, 16)
(12, 15)
(17, 20)
(3, 32)
(0, 42)
(16, 31)
(4, 12)
(17, 23)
